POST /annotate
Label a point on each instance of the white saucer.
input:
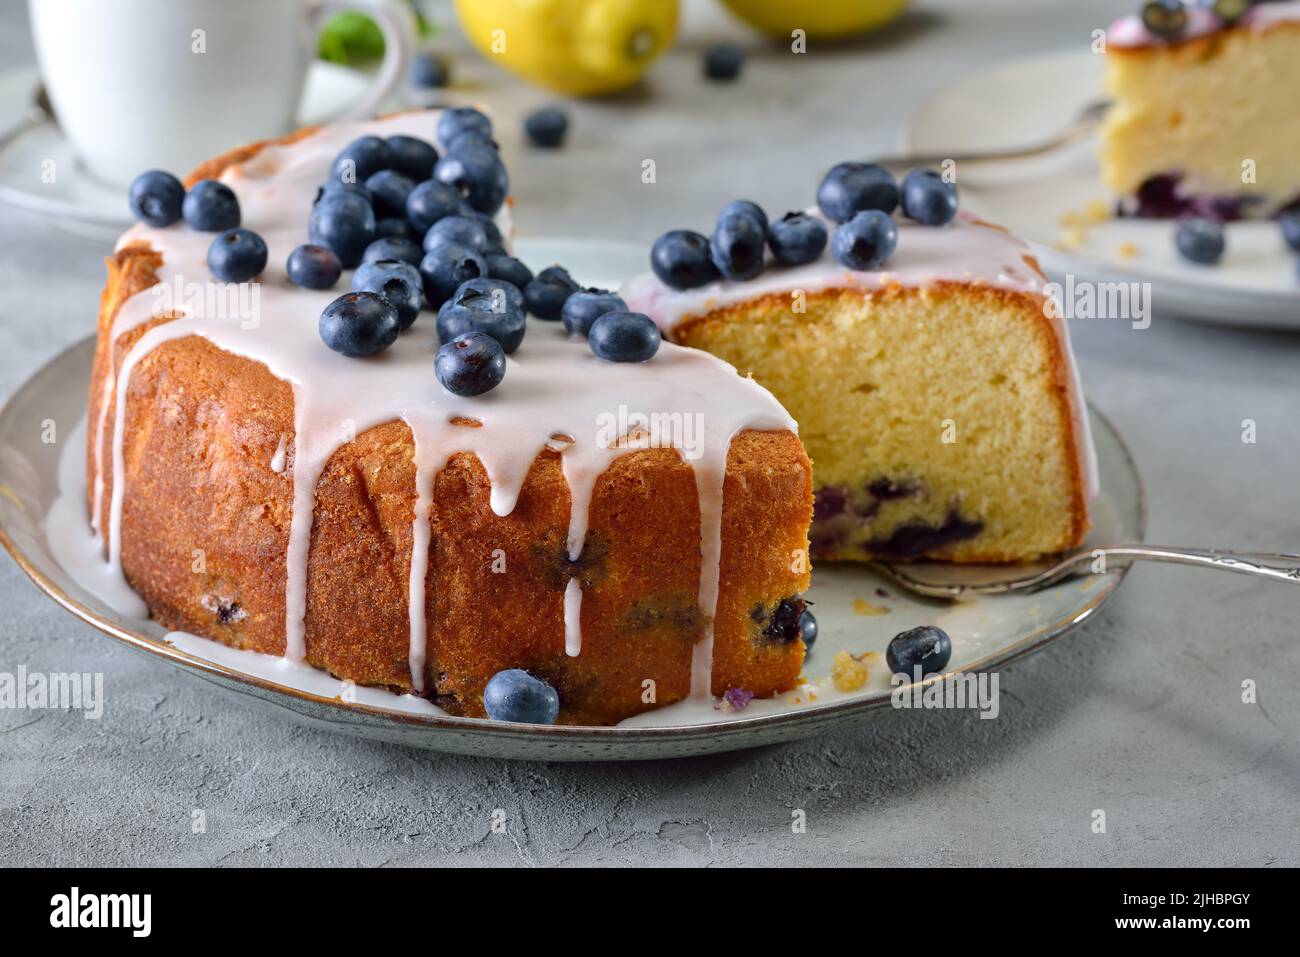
(1027, 100)
(76, 200)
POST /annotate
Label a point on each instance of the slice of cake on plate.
(1204, 119)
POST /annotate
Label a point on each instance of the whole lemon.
(577, 47)
(824, 19)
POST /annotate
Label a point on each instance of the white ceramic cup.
(166, 84)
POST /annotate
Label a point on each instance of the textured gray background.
(1139, 713)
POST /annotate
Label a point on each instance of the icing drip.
(556, 394)
(1131, 33)
(278, 460)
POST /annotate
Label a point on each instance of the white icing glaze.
(553, 386)
(278, 459)
(967, 251)
(1129, 32)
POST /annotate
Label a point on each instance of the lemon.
(825, 19)
(577, 47)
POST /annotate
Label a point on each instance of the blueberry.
(489, 286)
(586, 306)
(547, 293)
(478, 174)
(1230, 11)
(516, 695)
(1165, 18)
(723, 61)
(461, 120)
(396, 227)
(745, 207)
(333, 188)
(359, 324)
(624, 337)
(927, 646)
(510, 269)
(446, 266)
(927, 198)
(737, 246)
(546, 127)
(796, 238)
(210, 207)
(489, 226)
(403, 250)
(361, 159)
(397, 281)
(681, 259)
(313, 267)
(490, 311)
(1290, 223)
(1200, 240)
(456, 229)
(808, 629)
(389, 190)
(412, 157)
(429, 70)
(470, 364)
(156, 198)
(469, 139)
(852, 187)
(345, 223)
(429, 202)
(866, 240)
(237, 255)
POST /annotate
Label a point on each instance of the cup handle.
(396, 21)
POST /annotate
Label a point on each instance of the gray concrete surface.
(1138, 714)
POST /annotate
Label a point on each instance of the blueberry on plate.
(470, 364)
(478, 175)
(345, 223)
(396, 227)
(490, 227)
(429, 70)
(927, 198)
(723, 61)
(448, 265)
(796, 238)
(1290, 223)
(1200, 241)
(927, 647)
(745, 207)
(333, 187)
(462, 119)
(852, 187)
(510, 269)
(483, 310)
(737, 246)
(389, 191)
(313, 267)
(546, 294)
(808, 629)
(586, 306)
(490, 286)
(412, 157)
(866, 240)
(430, 202)
(1165, 18)
(401, 249)
(681, 259)
(156, 198)
(456, 229)
(624, 337)
(546, 127)
(515, 695)
(237, 255)
(359, 324)
(361, 159)
(210, 207)
(397, 281)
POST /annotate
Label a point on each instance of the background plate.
(1027, 100)
(857, 609)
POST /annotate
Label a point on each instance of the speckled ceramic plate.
(42, 525)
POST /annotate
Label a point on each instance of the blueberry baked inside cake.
(1204, 120)
(322, 427)
(932, 381)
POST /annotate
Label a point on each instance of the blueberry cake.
(932, 381)
(531, 521)
(1203, 120)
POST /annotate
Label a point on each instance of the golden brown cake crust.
(205, 524)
